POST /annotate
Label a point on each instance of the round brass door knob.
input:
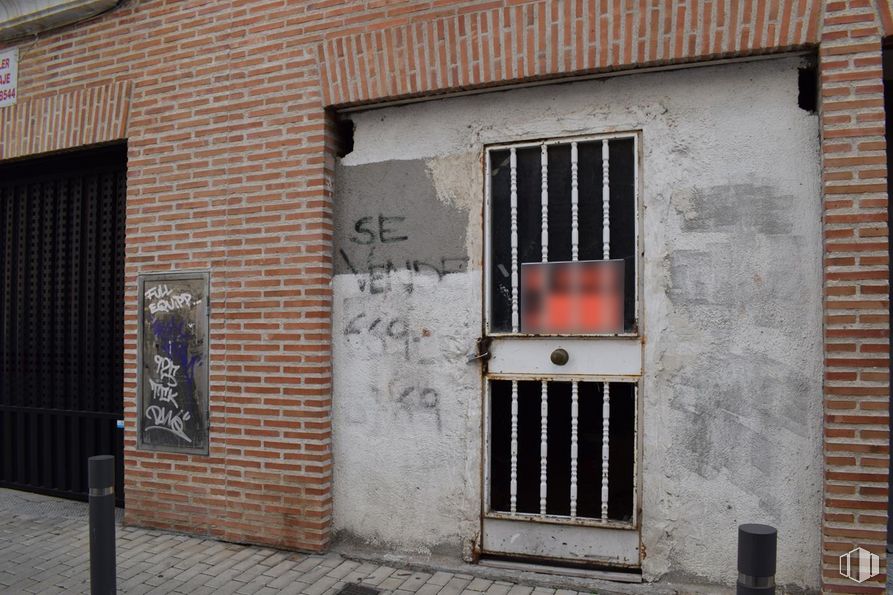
(559, 357)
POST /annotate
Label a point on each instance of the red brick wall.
(470, 48)
(856, 288)
(83, 116)
(229, 170)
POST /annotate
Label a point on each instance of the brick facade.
(856, 287)
(224, 106)
(532, 41)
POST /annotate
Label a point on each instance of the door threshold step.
(545, 568)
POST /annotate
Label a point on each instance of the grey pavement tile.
(479, 585)
(378, 575)
(284, 580)
(455, 585)
(309, 563)
(166, 587)
(320, 586)
(359, 573)
(392, 582)
(281, 568)
(440, 578)
(222, 578)
(255, 585)
(415, 581)
(342, 569)
(249, 574)
(293, 588)
(275, 558)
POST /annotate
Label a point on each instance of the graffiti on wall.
(404, 295)
(173, 360)
(382, 253)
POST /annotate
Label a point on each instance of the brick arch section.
(520, 42)
(47, 123)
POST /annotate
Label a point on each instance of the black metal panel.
(61, 318)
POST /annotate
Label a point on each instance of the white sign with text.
(9, 70)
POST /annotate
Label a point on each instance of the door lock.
(559, 357)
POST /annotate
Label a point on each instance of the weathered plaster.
(731, 400)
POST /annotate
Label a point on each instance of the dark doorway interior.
(61, 318)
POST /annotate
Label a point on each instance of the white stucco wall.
(732, 312)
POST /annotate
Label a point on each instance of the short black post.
(756, 559)
(101, 479)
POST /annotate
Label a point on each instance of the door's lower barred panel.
(555, 454)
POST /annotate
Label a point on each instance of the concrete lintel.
(19, 18)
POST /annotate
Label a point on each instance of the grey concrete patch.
(378, 237)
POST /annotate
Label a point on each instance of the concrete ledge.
(19, 18)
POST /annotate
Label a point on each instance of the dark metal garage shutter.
(61, 318)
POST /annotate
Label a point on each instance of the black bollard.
(101, 479)
(756, 559)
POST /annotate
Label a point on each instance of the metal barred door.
(562, 379)
(61, 318)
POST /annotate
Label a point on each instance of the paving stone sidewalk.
(44, 549)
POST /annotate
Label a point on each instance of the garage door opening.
(61, 318)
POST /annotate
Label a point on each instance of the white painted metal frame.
(529, 356)
(620, 355)
(605, 546)
(544, 145)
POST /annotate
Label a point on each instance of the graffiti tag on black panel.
(173, 399)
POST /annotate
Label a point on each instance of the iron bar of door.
(544, 202)
(513, 483)
(575, 199)
(606, 437)
(606, 201)
(513, 164)
(544, 444)
(575, 414)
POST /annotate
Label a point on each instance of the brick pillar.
(856, 290)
